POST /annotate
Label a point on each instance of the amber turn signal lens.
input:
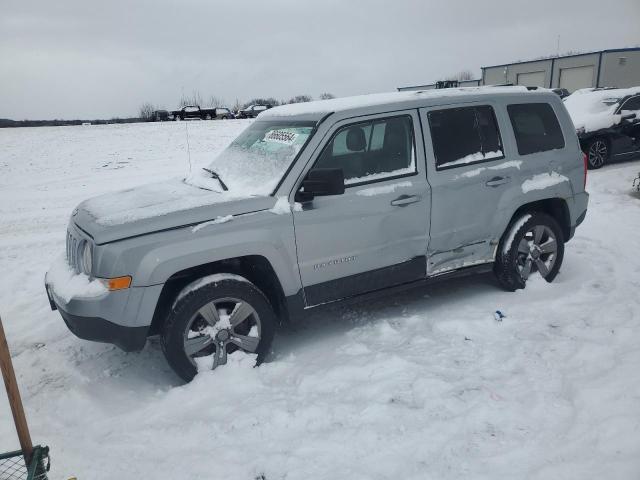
(118, 283)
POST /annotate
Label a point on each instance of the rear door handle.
(404, 200)
(497, 181)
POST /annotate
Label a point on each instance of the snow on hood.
(158, 206)
(593, 110)
(151, 200)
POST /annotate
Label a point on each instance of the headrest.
(356, 140)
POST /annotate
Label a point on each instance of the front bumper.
(121, 317)
(96, 329)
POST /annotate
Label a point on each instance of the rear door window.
(463, 136)
(536, 127)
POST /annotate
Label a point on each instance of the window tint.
(461, 136)
(536, 127)
(371, 150)
(632, 104)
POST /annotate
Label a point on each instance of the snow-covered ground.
(423, 385)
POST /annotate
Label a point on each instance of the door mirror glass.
(629, 116)
(321, 182)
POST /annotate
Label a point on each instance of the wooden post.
(15, 402)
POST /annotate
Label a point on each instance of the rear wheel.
(216, 319)
(207, 117)
(598, 153)
(534, 243)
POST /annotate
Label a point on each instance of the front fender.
(152, 259)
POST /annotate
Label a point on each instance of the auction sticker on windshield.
(281, 136)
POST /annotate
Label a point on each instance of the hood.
(159, 206)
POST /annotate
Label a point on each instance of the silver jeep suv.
(324, 201)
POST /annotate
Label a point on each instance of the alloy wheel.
(220, 327)
(597, 154)
(537, 251)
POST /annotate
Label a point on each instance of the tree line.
(147, 109)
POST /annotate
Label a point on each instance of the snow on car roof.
(590, 110)
(322, 107)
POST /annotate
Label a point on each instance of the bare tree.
(194, 99)
(300, 99)
(215, 102)
(461, 76)
(327, 96)
(262, 101)
(237, 105)
(146, 111)
(464, 75)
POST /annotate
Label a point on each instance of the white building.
(607, 68)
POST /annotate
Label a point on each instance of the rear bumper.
(121, 318)
(579, 212)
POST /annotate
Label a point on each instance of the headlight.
(87, 258)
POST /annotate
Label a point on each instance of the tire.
(598, 152)
(533, 242)
(177, 118)
(207, 117)
(186, 327)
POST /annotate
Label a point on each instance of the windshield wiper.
(217, 177)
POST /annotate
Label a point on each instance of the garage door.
(577, 77)
(531, 79)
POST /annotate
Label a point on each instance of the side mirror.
(321, 182)
(629, 116)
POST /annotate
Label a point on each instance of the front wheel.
(597, 151)
(213, 318)
(533, 243)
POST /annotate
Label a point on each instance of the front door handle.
(404, 200)
(497, 181)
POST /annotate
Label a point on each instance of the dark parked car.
(561, 92)
(252, 111)
(160, 116)
(607, 122)
(223, 113)
(194, 111)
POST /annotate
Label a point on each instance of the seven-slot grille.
(73, 247)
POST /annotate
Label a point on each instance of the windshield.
(255, 162)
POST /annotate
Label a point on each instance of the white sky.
(100, 59)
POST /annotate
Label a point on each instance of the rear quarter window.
(536, 127)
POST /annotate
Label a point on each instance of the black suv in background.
(252, 111)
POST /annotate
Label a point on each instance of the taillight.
(586, 166)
